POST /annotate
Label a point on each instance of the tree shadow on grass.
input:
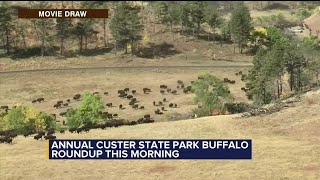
(157, 50)
(97, 51)
(20, 53)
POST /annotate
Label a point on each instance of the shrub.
(49, 121)
(27, 118)
(16, 119)
(210, 93)
(88, 112)
(236, 107)
(74, 119)
(178, 116)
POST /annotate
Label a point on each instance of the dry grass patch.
(63, 85)
(274, 156)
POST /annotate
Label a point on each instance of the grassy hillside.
(286, 145)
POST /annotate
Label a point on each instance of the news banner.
(149, 149)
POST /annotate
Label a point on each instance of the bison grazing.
(50, 137)
(40, 100)
(243, 77)
(5, 107)
(6, 140)
(174, 92)
(103, 126)
(146, 90)
(65, 104)
(164, 100)
(109, 104)
(147, 121)
(131, 103)
(59, 102)
(50, 131)
(147, 116)
(37, 137)
(121, 91)
(232, 81)
(42, 133)
(129, 96)
(160, 103)
(105, 93)
(26, 134)
(126, 89)
(163, 87)
(185, 91)
(141, 107)
(171, 105)
(157, 111)
(68, 100)
(169, 90)
(71, 130)
(162, 91)
(123, 95)
(135, 106)
(132, 123)
(62, 131)
(79, 130)
(133, 91)
(86, 129)
(134, 100)
(77, 97)
(225, 80)
(180, 82)
(2, 139)
(57, 106)
(13, 135)
(62, 114)
(115, 115)
(140, 120)
(96, 93)
(34, 101)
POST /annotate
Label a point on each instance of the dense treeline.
(41, 37)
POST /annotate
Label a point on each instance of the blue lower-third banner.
(150, 149)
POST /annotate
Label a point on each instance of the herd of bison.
(112, 120)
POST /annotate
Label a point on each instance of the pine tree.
(88, 23)
(135, 27)
(6, 24)
(63, 27)
(126, 25)
(168, 13)
(43, 26)
(80, 32)
(184, 17)
(197, 13)
(213, 19)
(241, 25)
